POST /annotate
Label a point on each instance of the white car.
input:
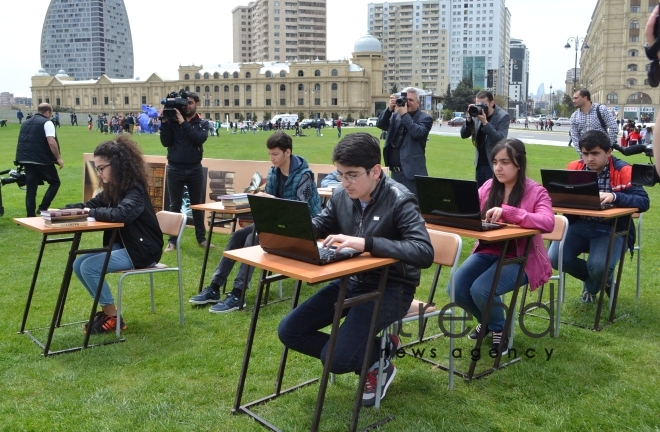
(563, 121)
(371, 121)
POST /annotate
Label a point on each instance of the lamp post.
(576, 40)
(551, 96)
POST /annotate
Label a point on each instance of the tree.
(447, 114)
(301, 115)
(240, 117)
(349, 118)
(448, 96)
(501, 101)
(254, 117)
(462, 96)
(325, 114)
(567, 103)
(267, 116)
(394, 89)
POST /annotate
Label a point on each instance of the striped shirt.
(604, 185)
(582, 122)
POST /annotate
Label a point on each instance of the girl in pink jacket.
(512, 198)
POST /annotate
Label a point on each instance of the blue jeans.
(473, 280)
(483, 173)
(194, 179)
(239, 239)
(301, 331)
(88, 270)
(592, 238)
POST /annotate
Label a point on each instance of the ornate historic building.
(614, 66)
(314, 88)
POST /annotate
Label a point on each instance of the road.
(558, 136)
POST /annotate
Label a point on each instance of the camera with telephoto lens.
(402, 100)
(15, 176)
(175, 101)
(477, 109)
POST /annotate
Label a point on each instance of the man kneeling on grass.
(369, 212)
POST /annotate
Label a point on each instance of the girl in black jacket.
(123, 198)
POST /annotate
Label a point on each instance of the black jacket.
(141, 234)
(33, 144)
(391, 225)
(184, 141)
(413, 150)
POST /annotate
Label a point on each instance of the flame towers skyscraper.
(87, 38)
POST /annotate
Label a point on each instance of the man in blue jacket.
(184, 138)
(289, 178)
(407, 129)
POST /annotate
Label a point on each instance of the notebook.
(285, 228)
(451, 202)
(573, 189)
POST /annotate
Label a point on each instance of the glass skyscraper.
(87, 38)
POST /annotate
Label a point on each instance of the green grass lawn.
(165, 377)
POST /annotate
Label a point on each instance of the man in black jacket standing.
(38, 150)
(184, 138)
(407, 129)
(371, 213)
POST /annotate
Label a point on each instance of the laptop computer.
(285, 228)
(451, 202)
(573, 189)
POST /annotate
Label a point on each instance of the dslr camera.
(173, 102)
(15, 176)
(477, 109)
(402, 100)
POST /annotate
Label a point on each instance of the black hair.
(357, 150)
(516, 151)
(194, 96)
(485, 94)
(585, 93)
(281, 141)
(595, 138)
(128, 168)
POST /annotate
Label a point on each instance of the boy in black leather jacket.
(372, 213)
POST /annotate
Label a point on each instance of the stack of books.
(235, 201)
(64, 218)
(222, 183)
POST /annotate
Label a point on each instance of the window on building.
(126, 100)
(267, 102)
(144, 100)
(334, 101)
(235, 74)
(317, 87)
(267, 87)
(301, 73)
(226, 88)
(635, 5)
(217, 116)
(207, 89)
(632, 68)
(334, 86)
(282, 102)
(207, 102)
(282, 87)
(186, 77)
(268, 74)
(197, 76)
(41, 101)
(301, 87)
(216, 88)
(216, 76)
(248, 75)
(633, 31)
(217, 102)
(206, 75)
(652, 4)
(236, 89)
(105, 100)
(57, 102)
(236, 102)
(317, 72)
(198, 89)
(187, 88)
(334, 72)
(225, 75)
(639, 98)
(226, 102)
(237, 116)
(248, 88)
(633, 53)
(78, 101)
(248, 102)
(317, 101)
(631, 82)
(282, 74)
(301, 101)
(94, 101)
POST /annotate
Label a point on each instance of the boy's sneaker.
(475, 333)
(392, 346)
(369, 395)
(105, 324)
(208, 295)
(587, 297)
(230, 303)
(497, 340)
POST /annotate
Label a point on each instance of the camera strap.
(600, 118)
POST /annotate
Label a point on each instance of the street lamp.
(576, 40)
(551, 97)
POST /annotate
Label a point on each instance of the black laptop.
(451, 202)
(573, 189)
(285, 228)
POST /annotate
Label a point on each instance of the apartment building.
(280, 30)
(518, 77)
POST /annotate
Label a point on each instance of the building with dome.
(249, 90)
(87, 39)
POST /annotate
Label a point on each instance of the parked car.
(456, 121)
(311, 123)
(371, 121)
(521, 120)
(563, 121)
(361, 122)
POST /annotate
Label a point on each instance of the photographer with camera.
(407, 129)
(38, 150)
(184, 132)
(487, 124)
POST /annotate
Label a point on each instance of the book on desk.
(64, 218)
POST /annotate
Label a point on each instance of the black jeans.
(483, 173)
(194, 179)
(239, 239)
(35, 175)
(301, 329)
(400, 177)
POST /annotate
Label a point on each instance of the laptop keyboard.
(489, 226)
(329, 255)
